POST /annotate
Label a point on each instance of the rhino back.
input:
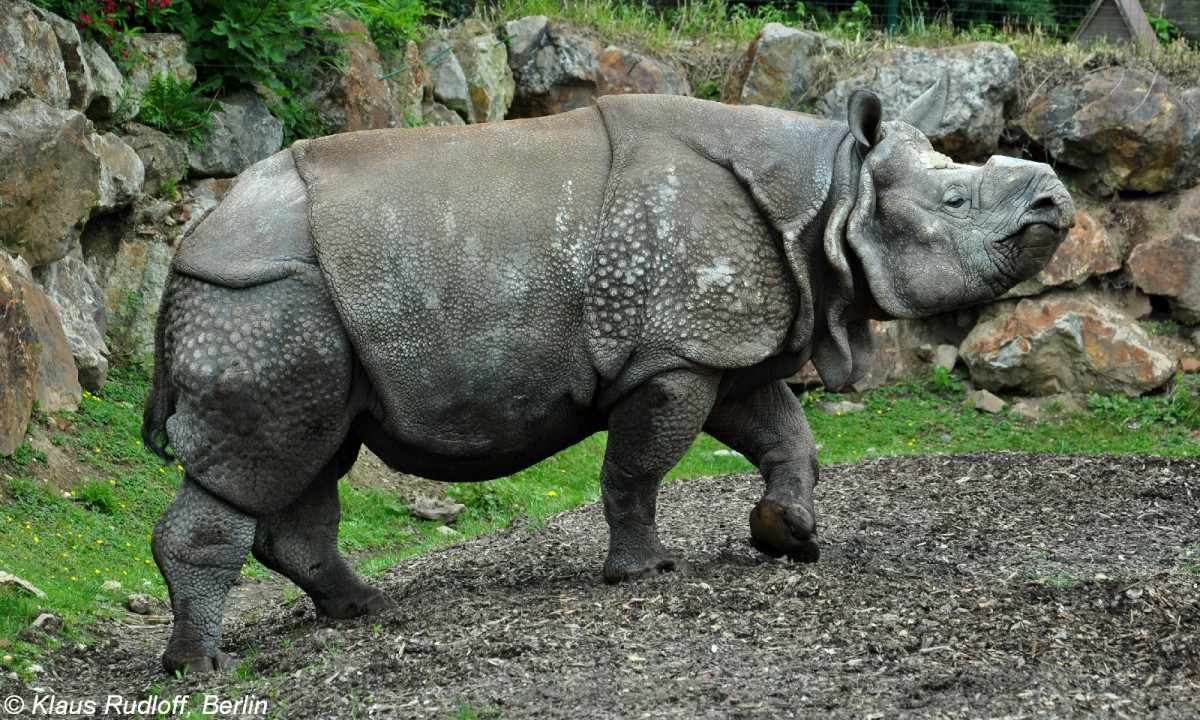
(457, 259)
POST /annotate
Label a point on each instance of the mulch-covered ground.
(981, 585)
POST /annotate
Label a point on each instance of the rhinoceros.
(468, 301)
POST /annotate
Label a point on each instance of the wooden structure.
(1117, 22)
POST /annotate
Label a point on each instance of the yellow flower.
(552, 494)
(99, 542)
(97, 450)
(112, 482)
(35, 539)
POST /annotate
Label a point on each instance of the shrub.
(175, 107)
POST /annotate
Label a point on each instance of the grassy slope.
(99, 531)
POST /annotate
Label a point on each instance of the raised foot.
(778, 530)
(617, 572)
(353, 604)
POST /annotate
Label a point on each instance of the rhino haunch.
(468, 301)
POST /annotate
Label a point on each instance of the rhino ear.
(926, 112)
(865, 115)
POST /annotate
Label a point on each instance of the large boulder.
(80, 303)
(354, 97)
(243, 132)
(155, 54)
(470, 72)
(1086, 252)
(783, 67)
(555, 67)
(1170, 268)
(1123, 128)
(31, 65)
(625, 72)
(1063, 342)
(132, 273)
(49, 179)
(56, 387)
(20, 357)
(410, 82)
(70, 46)
(164, 159)
(121, 172)
(983, 78)
(110, 101)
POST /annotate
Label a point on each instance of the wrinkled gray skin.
(467, 301)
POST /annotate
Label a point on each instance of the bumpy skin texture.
(468, 301)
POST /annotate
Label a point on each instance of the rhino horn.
(865, 115)
(926, 112)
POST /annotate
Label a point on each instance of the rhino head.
(932, 235)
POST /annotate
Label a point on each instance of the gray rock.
(18, 372)
(141, 604)
(49, 180)
(354, 96)
(449, 80)
(621, 71)
(70, 46)
(243, 133)
(80, 302)
(783, 67)
(428, 508)
(121, 173)
(435, 114)
(164, 159)
(983, 77)
(132, 276)
(157, 54)
(945, 356)
(110, 98)
(31, 64)
(555, 67)
(985, 401)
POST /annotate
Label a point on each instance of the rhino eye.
(954, 200)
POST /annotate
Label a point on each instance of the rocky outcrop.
(784, 67)
(164, 159)
(20, 357)
(72, 287)
(625, 72)
(1170, 268)
(121, 172)
(1063, 343)
(554, 66)
(243, 132)
(109, 95)
(471, 76)
(31, 65)
(56, 386)
(983, 79)
(1123, 128)
(49, 180)
(155, 54)
(354, 96)
(410, 83)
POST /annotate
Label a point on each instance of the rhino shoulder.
(259, 233)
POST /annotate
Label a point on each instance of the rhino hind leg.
(200, 544)
(649, 432)
(300, 543)
(768, 427)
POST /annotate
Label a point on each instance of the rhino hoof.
(354, 605)
(614, 573)
(197, 664)
(777, 530)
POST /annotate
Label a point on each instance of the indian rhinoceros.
(468, 301)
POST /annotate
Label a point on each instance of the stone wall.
(91, 204)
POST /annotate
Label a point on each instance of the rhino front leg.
(200, 544)
(300, 543)
(768, 427)
(648, 432)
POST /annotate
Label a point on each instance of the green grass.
(69, 540)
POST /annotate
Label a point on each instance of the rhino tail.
(160, 403)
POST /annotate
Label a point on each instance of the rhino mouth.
(1026, 252)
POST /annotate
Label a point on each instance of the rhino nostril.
(1045, 202)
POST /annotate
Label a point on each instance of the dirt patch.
(998, 584)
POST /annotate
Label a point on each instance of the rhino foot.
(354, 604)
(198, 662)
(616, 571)
(777, 530)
